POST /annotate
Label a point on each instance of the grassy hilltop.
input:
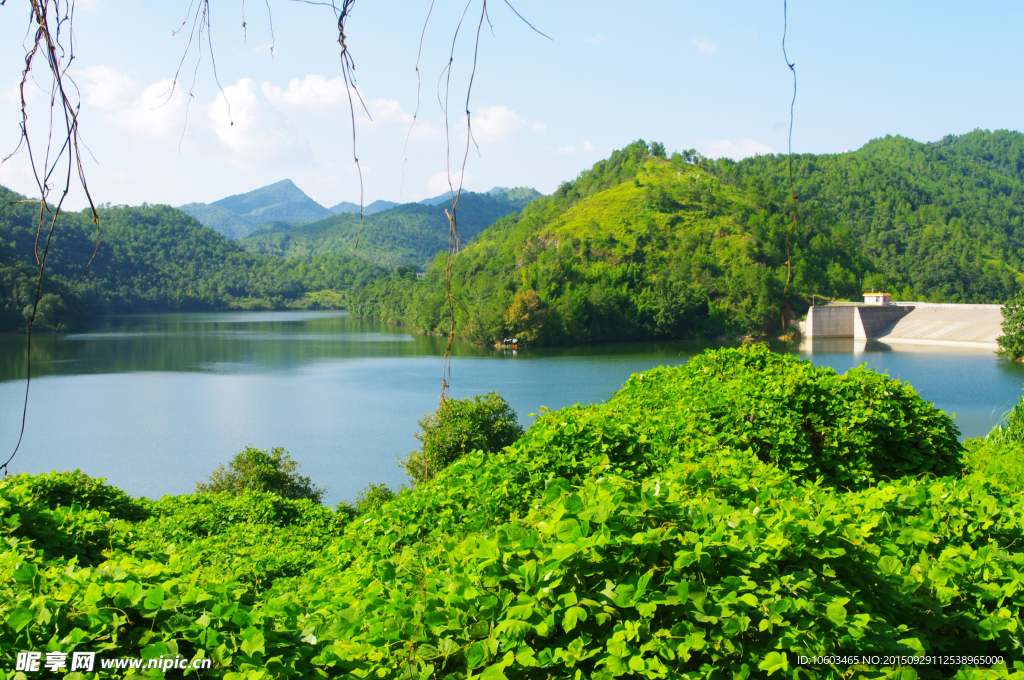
(715, 520)
(639, 246)
(642, 246)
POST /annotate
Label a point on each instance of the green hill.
(154, 258)
(645, 247)
(941, 221)
(411, 233)
(723, 519)
(238, 215)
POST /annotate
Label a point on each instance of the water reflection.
(155, 402)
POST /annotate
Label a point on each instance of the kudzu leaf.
(19, 618)
(836, 613)
(890, 566)
(573, 615)
(475, 655)
(154, 598)
(774, 661)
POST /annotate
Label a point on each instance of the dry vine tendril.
(58, 165)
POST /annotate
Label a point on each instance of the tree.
(258, 470)
(525, 316)
(372, 497)
(1011, 342)
(486, 422)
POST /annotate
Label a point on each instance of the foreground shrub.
(257, 470)
(66, 489)
(640, 538)
(486, 422)
(850, 429)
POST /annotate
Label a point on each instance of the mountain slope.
(942, 221)
(643, 247)
(238, 215)
(407, 234)
(154, 258)
(218, 218)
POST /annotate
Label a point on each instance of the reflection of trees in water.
(197, 342)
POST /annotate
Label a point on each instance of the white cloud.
(106, 89)
(87, 4)
(438, 184)
(596, 40)
(158, 112)
(312, 93)
(705, 46)
(585, 147)
(734, 149)
(318, 94)
(252, 132)
(16, 174)
(538, 127)
(495, 123)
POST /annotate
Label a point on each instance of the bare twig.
(792, 183)
(54, 40)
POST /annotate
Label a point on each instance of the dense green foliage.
(59, 308)
(485, 422)
(942, 222)
(406, 234)
(630, 539)
(237, 216)
(644, 247)
(255, 469)
(637, 247)
(153, 258)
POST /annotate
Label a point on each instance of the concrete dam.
(918, 323)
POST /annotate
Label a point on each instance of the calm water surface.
(154, 403)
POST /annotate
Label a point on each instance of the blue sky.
(704, 75)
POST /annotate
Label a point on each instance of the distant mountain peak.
(278, 202)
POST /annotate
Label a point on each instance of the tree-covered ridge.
(408, 234)
(683, 529)
(941, 221)
(155, 258)
(639, 246)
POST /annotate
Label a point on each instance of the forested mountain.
(375, 207)
(408, 234)
(238, 215)
(641, 246)
(153, 258)
(940, 221)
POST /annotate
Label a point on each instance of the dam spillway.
(920, 323)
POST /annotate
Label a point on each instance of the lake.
(155, 402)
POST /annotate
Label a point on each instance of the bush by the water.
(486, 422)
(255, 469)
(657, 535)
